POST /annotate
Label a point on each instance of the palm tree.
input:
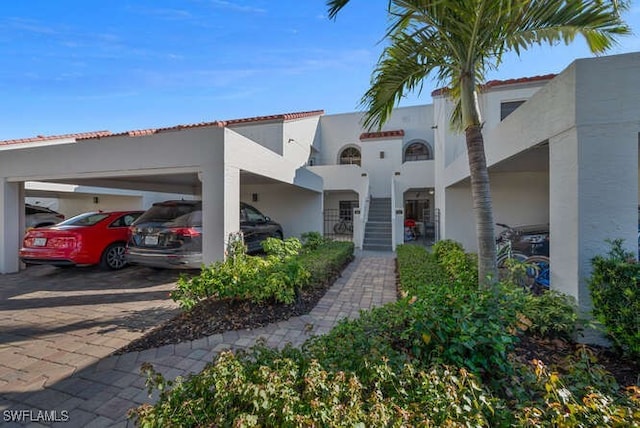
(458, 42)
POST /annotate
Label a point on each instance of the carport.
(567, 157)
(209, 161)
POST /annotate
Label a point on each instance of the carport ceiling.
(536, 159)
(186, 183)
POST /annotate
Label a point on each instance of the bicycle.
(530, 269)
(504, 247)
(343, 227)
(538, 270)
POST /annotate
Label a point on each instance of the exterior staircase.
(377, 231)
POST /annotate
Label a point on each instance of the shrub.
(550, 314)
(278, 276)
(282, 249)
(461, 266)
(558, 403)
(418, 270)
(326, 261)
(615, 292)
(312, 240)
(440, 356)
(286, 389)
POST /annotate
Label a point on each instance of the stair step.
(376, 247)
(377, 232)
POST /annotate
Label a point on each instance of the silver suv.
(36, 216)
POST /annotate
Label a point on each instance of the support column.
(220, 209)
(11, 224)
(593, 173)
(460, 222)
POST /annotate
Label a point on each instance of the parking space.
(54, 322)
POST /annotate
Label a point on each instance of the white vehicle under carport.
(38, 216)
(169, 234)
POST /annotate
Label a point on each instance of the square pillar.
(217, 190)
(593, 181)
(12, 224)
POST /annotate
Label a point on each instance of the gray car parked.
(169, 234)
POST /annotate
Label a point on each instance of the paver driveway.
(101, 394)
(54, 322)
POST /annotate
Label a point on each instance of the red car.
(86, 239)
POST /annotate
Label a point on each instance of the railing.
(431, 226)
(335, 227)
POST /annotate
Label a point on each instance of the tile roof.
(284, 117)
(221, 123)
(382, 134)
(151, 131)
(495, 83)
(40, 138)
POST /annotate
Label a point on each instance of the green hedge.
(288, 267)
(615, 291)
(326, 260)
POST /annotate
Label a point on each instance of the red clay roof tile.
(382, 134)
(150, 131)
(220, 124)
(495, 83)
(39, 138)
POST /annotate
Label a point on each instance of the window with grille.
(417, 152)
(350, 156)
(346, 209)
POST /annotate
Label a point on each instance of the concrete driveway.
(55, 322)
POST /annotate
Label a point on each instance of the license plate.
(151, 240)
(39, 242)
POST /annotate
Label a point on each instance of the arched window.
(350, 156)
(417, 151)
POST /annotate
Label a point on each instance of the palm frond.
(402, 68)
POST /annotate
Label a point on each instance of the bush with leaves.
(551, 314)
(615, 291)
(278, 276)
(286, 389)
(282, 249)
(312, 240)
(326, 261)
(462, 267)
(440, 356)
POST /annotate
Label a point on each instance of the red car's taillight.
(62, 242)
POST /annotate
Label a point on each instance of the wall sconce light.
(254, 197)
(431, 191)
(96, 200)
(291, 140)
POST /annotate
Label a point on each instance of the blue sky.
(84, 65)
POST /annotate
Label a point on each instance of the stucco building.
(561, 149)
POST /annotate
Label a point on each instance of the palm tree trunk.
(482, 206)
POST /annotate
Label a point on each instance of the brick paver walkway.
(55, 354)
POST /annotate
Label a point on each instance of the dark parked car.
(169, 234)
